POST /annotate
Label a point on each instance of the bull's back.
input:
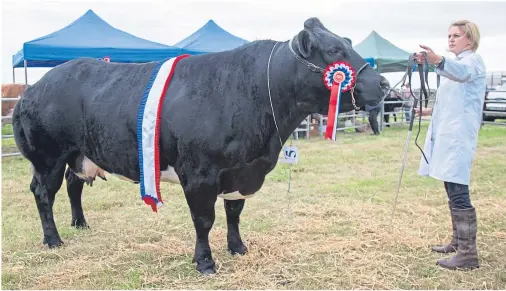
(87, 105)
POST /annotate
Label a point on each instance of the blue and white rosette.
(347, 69)
(338, 77)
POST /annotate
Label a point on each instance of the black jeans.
(458, 195)
(373, 120)
(386, 117)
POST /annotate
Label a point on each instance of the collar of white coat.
(464, 54)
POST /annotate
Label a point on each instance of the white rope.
(276, 124)
(270, 97)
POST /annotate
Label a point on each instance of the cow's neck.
(288, 105)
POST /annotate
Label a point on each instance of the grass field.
(330, 232)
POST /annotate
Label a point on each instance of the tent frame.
(25, 65)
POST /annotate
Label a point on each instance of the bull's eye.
(334, 51)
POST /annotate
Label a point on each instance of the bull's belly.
(90, 171)
(167, 175)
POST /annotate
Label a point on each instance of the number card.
(290, 155)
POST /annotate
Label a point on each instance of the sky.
(406, 24)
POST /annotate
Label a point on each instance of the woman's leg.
(464, 216)
(458, 195)
(452, 246)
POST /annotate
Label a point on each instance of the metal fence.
(358, 120)
(354, 120)
(7, 136)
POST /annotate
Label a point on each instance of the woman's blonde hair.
(471, 30)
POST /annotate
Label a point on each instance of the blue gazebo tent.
(210, 38)
(90, 36)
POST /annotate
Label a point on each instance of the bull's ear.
(313, 22)
(305, 43)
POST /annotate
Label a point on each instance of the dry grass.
(331, 232)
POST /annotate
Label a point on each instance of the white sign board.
(290, 155)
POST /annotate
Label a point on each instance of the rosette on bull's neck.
(346, 69)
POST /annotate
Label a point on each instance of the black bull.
(218, 134)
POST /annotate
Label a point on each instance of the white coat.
(452, 136)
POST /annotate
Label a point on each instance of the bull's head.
(317, 47)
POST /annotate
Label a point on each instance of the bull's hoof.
(208, 272)
(79, 223)
(52, 242)
(237, 250)
(206, 267)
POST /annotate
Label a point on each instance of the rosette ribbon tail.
(335, 94)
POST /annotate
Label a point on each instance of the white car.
(495, 104)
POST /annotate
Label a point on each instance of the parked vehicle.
(495, 104)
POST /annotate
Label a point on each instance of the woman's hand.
(432, 58)
(425, 111)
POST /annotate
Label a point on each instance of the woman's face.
(457, 40)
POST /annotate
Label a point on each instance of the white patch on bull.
(169, 175)
(89, 170)
(235, 196)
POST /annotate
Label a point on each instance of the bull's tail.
(20, 137)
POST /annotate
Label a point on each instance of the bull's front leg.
(233, 209)
(201, 202)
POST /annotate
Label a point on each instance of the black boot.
(467, 254)
(452, 246)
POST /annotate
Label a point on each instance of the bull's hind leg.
(45, 184)
(233, 209)
(75, 190)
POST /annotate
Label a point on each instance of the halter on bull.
(217, 131)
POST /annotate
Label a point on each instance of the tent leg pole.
(13, 75)
(26, 74)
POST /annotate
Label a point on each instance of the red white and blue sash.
(148, 131)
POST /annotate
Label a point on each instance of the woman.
(453, 135)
